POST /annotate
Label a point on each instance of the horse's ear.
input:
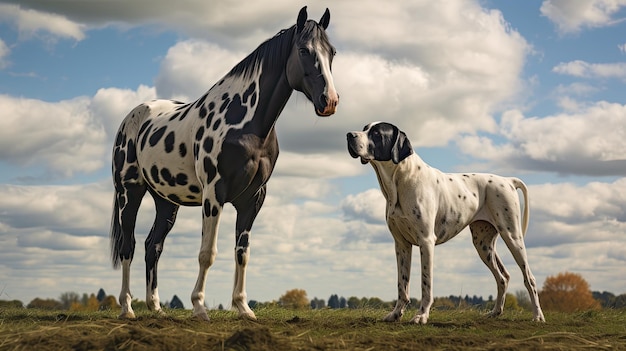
(325, 19)
(401, 149)
(302, 17)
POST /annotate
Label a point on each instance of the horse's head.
(310, 62)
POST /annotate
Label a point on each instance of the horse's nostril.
(324, 100)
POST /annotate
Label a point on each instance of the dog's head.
(379, 141)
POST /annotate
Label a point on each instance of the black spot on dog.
(236, 111)
(196, 150)
(207, 145)
(157, 135)
(169, 142)
(194, 189)
(253, 99)
(202, 112)
(182, 149)
(214, 211)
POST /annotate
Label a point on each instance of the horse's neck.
(274, 92)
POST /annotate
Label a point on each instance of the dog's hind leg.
(484, 236)
(515, 243)
(403, 257)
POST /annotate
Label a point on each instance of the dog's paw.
(394, 316)
(420, 319)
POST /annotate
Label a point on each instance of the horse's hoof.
(248, 316)
(202, 316)
(127, 315)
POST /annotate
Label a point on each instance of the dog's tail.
(519, 184)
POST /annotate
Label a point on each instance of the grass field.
(281, 329)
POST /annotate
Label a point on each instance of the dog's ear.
(401, 148)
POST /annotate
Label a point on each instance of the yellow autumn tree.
(567, 292)
(295, 298)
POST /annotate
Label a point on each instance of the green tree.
(333, 301)
(354, 302)
(11, 304)
(68, 299)
(109, 303)
(523, 300)
(47, 304)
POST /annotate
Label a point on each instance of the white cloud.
(32, 23)
(584, 69)
(230, 23)
(191, 67)
(63, 136)
(67, 136)
(111, 105)
(572, 16)
(4, 53)
(590, 141)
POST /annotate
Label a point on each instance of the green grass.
(282, 329)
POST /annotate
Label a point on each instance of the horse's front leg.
(211, 211)
(246, 213)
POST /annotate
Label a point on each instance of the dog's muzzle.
(352, 147)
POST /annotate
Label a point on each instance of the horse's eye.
(304, 51)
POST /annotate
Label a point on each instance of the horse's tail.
(116, 234)
(519, 184)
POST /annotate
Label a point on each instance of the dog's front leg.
(427, 255)
(403, 259)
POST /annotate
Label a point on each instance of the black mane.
(275, 50)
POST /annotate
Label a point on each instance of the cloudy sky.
(533, 89)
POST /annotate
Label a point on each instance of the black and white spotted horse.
(218, 149)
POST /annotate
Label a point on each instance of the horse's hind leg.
(127, 201)
(163, 223)
(484, 236)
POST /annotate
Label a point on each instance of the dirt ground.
(347, 330)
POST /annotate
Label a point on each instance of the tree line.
(565, 292)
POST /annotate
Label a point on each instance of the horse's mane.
(271, 50)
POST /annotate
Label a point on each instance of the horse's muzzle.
(330, 103)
